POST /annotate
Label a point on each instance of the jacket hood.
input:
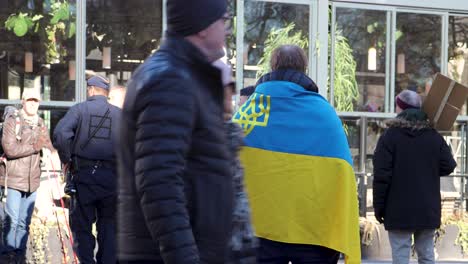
(413, 122)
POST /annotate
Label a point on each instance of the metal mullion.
(362, 165)
(463, 136)
(458, 14)
(362, 6)
(366, 114)
(332, 56)
(313, 36)
(451, 5)
(419, 11)
(445, 45)
(388, 54)
(299, 2)
(392, 62)
(322, 55)
(239, 47)
(377, 115)
(80, 83)
(5, 102)
(164, 17)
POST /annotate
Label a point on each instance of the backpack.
(9, 112)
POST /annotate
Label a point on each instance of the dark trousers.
(272, 252)
(93, 204)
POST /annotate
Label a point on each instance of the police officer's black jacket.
(408, 161)
(80, 122)
(175, 193)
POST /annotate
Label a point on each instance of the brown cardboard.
(444, 102)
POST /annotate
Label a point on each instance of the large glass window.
(360, 60)
(418, 51)
(37, 48)
(120, 35)
(456, 139)
(458, 51)
(268, 25)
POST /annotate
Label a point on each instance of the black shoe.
(8, 258)
(21, 259)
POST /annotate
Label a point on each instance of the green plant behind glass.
(59, 24)
(345, 87)
(276, 38)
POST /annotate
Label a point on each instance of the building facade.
(361, 54)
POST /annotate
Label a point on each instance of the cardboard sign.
(444, 102)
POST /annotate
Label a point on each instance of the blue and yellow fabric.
(298, 169)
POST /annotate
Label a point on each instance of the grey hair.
(289, 57)
(410, 97)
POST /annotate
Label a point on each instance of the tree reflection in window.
(261, 18)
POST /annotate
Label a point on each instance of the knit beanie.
(187, 17)
(404, 102)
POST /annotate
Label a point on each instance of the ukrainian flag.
(298, 169)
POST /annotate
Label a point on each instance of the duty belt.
(87, 163)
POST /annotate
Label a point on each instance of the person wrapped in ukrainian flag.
(298, 168)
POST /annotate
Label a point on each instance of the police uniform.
(86, 137)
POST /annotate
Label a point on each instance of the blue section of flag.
(284, 117)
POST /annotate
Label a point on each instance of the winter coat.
(79, 127)
(23, 162)
(175, 184)
(243, 241)
(408, 161)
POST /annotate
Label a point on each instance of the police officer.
(85, 139)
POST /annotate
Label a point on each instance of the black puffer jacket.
(408, 161)
(175, 184)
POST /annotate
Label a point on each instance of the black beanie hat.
(187, 17)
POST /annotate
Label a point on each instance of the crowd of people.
(169, 173)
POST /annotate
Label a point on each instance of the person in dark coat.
(175, 183)
(243, 243)
(245, 93)
(85, 139)
(408, 161)
(288, 74)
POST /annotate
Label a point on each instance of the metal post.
(239, 47)
(388, 65)
(322, 56)
(80, 51)
(392, 63)
(362, 168)
(462, 165)
(332, 56)
(164, 17)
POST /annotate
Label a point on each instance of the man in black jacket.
(85, 139)
(408, 161)
(175, 193)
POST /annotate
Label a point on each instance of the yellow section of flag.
(303, 199)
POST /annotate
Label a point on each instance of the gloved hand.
(41, 140)
(379, 215)
(226, 72)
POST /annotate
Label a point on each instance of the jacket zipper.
(29, 176)
(30, 164)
